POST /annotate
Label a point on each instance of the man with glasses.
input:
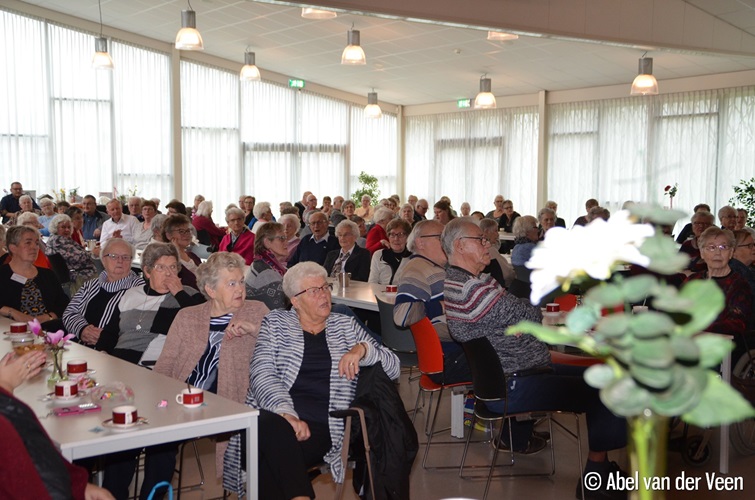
(9, 205)
(420, 209)
(727, 215)
(420, 295)
(315, 247)
(93, 218)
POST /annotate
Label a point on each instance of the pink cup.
(124, 415)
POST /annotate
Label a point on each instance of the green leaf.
(665, 258)
(599, 376)
(656, 214)
(659, 379)
(605, 295)
(650, 324)
(547, 334)
(636, 288)
(686, 350)
(713, 348)
(683, 395)
(654, 353)
(720, 404)
(707, 301)
(624, 397)
(581, 319)
(613, 325)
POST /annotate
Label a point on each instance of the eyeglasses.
(317, 222)
(122, 258)
(396, 235)
(233, 220)
(182, 232)
(430, 236)
(701, 224)
(280, 238)
(344, 235)
(173, 268)
(482, 239)
(748, 245)
(713, 248)
(312, 291)
(507, 207)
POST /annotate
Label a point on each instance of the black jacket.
(358, 263)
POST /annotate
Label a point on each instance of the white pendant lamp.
(645, 83)
(188, 37)
(353, 53)
(372, 110)
(101, 58)
(485, 98)
(250, 72)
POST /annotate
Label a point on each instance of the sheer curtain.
(473, 157)
(211, 137)
(374, 150)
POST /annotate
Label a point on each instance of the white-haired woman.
(47, 206)
(263, 213)
(305, 364)
(366, 211)
(291, 227)
(202, 221)
(350, 258)
(385, 261)
(526, 236)
(377, 238)
(80, 264)
(239, 238)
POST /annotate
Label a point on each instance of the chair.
(201, 251)
(567, 301)
(60, 268)
(430, 357)
(204, 237)
(490, 386)
(398, 340)
(180, 468)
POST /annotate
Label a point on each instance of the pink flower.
(35, 326)
(58, 338)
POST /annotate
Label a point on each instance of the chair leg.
(466, 445)
(429, 410)
(495, 457)
(179, 470)
(416, 405)
(432, 426)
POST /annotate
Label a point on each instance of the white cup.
(190, 398)
(66, 389)
(639, 309)
(125, 415)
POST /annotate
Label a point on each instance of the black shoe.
(601, 492)
(534, 445)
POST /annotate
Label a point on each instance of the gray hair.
(155, 251)
(418, 232)
(15, 233)
(316, 211)
(544, 211)
(487, 224)
(114, 200)
(369, 198)
(234, 211)
(208, 272)
(407, 205)
(703, 214)
(157, 224)
(522, 225)
(25, 197)
(261, 209)
(454, 230)
(294, 276)
(725, 209)
(351, 226)
(105, 248)
(383, 214)
(285, 204)
(55, 222)
(205, 208)
(290, 217)
(714, 232)
(348, 202)
(45, 202)
(550, 204)
(27, 217)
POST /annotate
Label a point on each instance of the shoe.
(602, 493)
(534, 445)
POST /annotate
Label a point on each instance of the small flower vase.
(648, 442)
(57, 367)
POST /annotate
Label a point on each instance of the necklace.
(143, 310)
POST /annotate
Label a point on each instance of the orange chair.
(430, 358)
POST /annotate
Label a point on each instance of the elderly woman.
(465, 209)
(366, 211)
(63, 206)
(377, 238)
(77, 223)
(79, 261)
(265, 279)
(362, 241)
(248, 206)
(177, 230)
(28, 291)
(547, 219)
(291, 228)
(145, 313)
(93, 307)
(526, 236)
(239, 239)
(158, 221)
(442, 211)
(47, 206)
(498, 212)
(385, 261)
(407, 213)
(26, 204)
(202, 221)
(499, 268)
(305, 364)
(208, 346)
(327, 206)
(348, 208)
(744, 250)
(717, 248)
(350, 258)
(263, 213)
(701, 221)
(143, 235)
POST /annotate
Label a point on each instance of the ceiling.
(411, 62)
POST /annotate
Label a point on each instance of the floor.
(445, 484)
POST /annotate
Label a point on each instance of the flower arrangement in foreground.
(657, 364)
(55, 342)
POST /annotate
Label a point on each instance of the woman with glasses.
(305, 364)
(143, 235)
(506, 223)
(700, 221)
(92, 308)
(144, 313)
(239, 239)
(385, 262)
(265, 279)
(177, 231)
(717, 249)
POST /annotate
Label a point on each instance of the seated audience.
(119, 225)
(202, 221)
(407, 213)
(366, 210)
(239, 238)
(158, 221)
(506, 223)
(315, 247)
(498, 211)
(77, 222)
(377, 238)
(385, 261)
(310, 206)
(582, 219)
(742, 222)
(442, 211)
(686, 231)
(134, 206)
(31, 220)
(554, 206)
(143, 234)
(62, 206)
(499, 268)
(92, 308)
(176, 207)
(701, 220)
(10, 204)
(265, 279)
(350, 258)
(465, 209)
(526, 236)
(78, 260)
(362, 241)
(547, 219)
(93, 218)
(248, 206)
(420, 210)
(263, 214)
(727, 215)
(47, 206)
(291, 228)
(327, 206)
(198, 199)
(177, 231)
(305, 364)
(598, 213)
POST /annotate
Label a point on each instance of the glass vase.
(57, 367)
(648, 442)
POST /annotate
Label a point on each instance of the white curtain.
(374, 150)
(211, 139)
(473, 157)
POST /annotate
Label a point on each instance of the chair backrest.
(202, 251)
(567, 301)
(429, 350)
(204, 237)
(395, 338)
(487, 374)
(60, 268)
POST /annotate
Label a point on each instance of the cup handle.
(180, 399)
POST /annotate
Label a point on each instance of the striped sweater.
(275, 366)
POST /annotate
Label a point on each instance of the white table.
(360, 294)
(84, 436)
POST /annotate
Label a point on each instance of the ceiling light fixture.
(188, 38)
(101, 58)
(645, 83)
(372, 110)
(500, 36)
(353, 53)
(485, 99)
(312, 13)
(250, 72)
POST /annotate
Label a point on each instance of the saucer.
(195, 405)
(18, 336)
(63, 400)
(90, 371)
(123, 427)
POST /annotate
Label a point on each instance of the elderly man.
(315, 247)
(336, 215)
(727, 215)
(93, 218)
(119, 225)
(9, 205)
(477, 306)
(420, 209)
(742, 221)
(135, 208)
(310, 206)
(420, 295)
(412, 200)
(302, 205)
(554, 206)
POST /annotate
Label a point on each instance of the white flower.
(594, 250)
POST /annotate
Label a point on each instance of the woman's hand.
(173, 283)
(349, 365)
(91, 334)
(94, 492)
(15, 370)
(385, 243)
(239, 328)
(301, 429)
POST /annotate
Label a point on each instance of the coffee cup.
(191, 398)
(391, 289)
(552, 307)
(344, 279)
(19, 328)
(639, 309)
(66, 389)
(77, 366)
(125, 415)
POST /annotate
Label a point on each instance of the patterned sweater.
(737, 312)
(420, 294)
(477, 306)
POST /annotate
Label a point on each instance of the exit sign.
(464, 103)
(295, 84)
